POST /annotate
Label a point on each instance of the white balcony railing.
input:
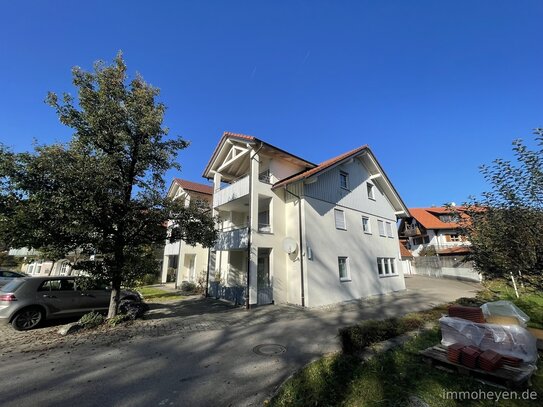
(23, 252)
(236, 190)
(232, 239)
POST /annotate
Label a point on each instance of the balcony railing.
(232, 239)
(411, 231)
(236, 190)
(23, 252)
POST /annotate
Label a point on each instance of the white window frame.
(338, 226)
(388, 229)
(371, 190)
(386, 267)
(64, 268)
(347, 276)
(381, 227)
(343, 175)
(366, 226)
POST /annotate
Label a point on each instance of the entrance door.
(264, 281)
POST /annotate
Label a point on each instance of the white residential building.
(183, 262)
(295, 232)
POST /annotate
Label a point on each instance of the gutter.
(301, 243)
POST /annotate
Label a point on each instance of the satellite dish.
(289, 245)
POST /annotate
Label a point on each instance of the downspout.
(301, 242)
(249, 229)
(207, 274)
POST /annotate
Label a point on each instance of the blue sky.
(436, 88)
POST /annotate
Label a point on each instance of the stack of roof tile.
(490, 360)
(454, 351)
(511, 361)
(469, 356)
(474, 314)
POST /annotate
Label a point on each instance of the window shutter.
(340, 219)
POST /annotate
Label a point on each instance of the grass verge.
(154, 293)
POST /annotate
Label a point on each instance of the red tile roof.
(194, 186)
(455, 250)
(404, 251)
(322, 166)
(429, 217)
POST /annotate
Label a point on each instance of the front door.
(264, 281)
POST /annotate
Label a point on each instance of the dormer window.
(371, 191)
(344, 180)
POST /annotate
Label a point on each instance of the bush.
(356, 338)
(148, 279)
(117, 319)
(188, 287)
(91, 320)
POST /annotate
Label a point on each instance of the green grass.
(390, 378)
(154, 293)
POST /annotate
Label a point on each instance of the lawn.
(154, 293)
(393, 377)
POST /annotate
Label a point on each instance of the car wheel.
(27, 318)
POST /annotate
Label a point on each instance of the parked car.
(27, 302)
(6, 276)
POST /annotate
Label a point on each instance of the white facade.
(182, 262)
(262, 215)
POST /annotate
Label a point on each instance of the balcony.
(410, 231)
(23, 252)
(233, 239)
(237, 189)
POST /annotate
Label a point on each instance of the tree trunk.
(114, 301)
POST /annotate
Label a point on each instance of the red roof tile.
(429, 217)
(404, 251)
(194, 186)
(322, 166)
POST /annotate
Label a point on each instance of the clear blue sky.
(436, 88)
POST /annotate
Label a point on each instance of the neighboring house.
(34, 265)
(181, 261)
(300, 233)
(435, 230)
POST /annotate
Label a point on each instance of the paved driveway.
(192, 353)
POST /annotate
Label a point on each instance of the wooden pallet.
(508, 376)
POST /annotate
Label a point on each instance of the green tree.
(506, 224)
(103, 192)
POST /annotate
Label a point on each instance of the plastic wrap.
(508, 340)
(504, 309)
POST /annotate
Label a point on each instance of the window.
(389, 229)
(339, 217)
(37, 269)
(386, 266)
(421, 240)
(64, 269)
(371, 191)
(344, 180)
(343, 267)
(449, 218)
(58, 285)
(453, 238)
(264, 221)
(366, 226)
(381, 226)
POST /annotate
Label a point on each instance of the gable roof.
(194, 186)
(369, 160)
(252, 140)
(321, 167)
(429, 217)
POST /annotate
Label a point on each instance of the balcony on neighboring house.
(235, 190)
(445, 248)
(232, 239)
(411, 230)
(23, 252)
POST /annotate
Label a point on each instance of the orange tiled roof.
(322, 166)
(404, 251)
(429, 217)
(194, 186)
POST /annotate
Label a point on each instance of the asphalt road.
(215, 367)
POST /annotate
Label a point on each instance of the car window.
(13, 285)
(85, 283)
(57, 285)
(11, 274)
